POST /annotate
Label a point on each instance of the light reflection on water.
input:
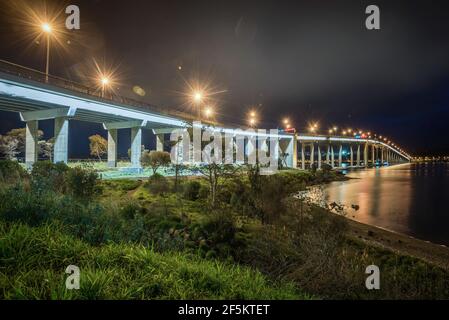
(409, 198)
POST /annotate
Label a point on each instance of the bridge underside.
(39, 101)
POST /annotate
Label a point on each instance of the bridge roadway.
(36, 97)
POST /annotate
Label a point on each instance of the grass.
(137, 240)
(33, 261)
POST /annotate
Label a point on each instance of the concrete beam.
(31, 142)
(47, 114)
(163, 130)
(124, 124)
(61, 140)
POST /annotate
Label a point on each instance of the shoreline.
(399, 243)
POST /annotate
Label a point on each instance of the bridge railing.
(35, 75)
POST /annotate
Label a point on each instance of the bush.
(11, 172)
(48, 176)
(158, 184)
(82, 183)
(192, 190)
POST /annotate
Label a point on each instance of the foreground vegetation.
(166, 238)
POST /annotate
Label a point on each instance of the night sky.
(308, 60)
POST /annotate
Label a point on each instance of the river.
(410, 198)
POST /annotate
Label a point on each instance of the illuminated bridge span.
(38, 97)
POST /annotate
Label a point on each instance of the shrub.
(158, 184)
(11, 172)
(82, 183)
(192, 190)
(48, 176)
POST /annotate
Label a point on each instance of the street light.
(197, 97)
(252, 118)
(104, 82)
(208, 112)
(47, 29)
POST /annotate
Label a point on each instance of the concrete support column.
(358, 155)
(112, 148)
(303, 157)
(328, 154)
(31, 142)
(312, 155)
(160, 142)
(319, 157)
(136, 146)
(292, 151)
(351, 152)
(61, 140)
(332, 157)
(340, 156)
(373, 157)
(365, 155)
(382, 155)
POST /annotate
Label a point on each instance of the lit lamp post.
(208, 112)
(46, 28)
(313, 127)
(197, 98)
(252, 119)
(104, 83)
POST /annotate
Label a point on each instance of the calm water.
(410, 198)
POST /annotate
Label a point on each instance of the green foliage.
(158, 184)
(11, 172)
(82, 183)
(34, 261)
(155, 159)
(47, 176)
(191, 190)
(98, 146)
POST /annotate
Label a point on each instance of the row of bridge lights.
(199, 97)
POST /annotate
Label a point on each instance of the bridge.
(37, 96)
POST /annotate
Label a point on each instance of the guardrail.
(38, 76)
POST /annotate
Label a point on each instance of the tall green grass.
(33, 262)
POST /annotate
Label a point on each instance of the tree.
(9, 146)
(46, 148)
(98, 146)
(20, 135)
(155, 159)
(214, 173)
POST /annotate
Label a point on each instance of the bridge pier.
(332, 157)
(340, 156)
(358, 155)
(303, 157)
(112, 148)
(319, 156)
(351, 152)
(312, 155)
(61, 151)
(382, 151)
(365, 155)
(292, 152)
(136, 146)
(31, 142)
(160, 142)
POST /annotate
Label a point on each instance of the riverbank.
(399, 243)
